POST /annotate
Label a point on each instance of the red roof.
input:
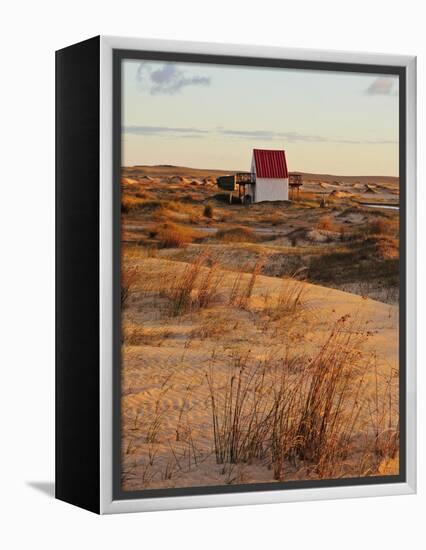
(270, 163)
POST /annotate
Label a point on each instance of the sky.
(212, 116)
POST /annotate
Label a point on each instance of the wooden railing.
(295, 179)
(242, 178)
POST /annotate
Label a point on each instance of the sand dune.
(167, 368)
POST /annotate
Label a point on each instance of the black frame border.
(77, 399)
(118, 56)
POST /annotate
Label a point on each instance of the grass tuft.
(208, 211)
(172, 235)
(237, 235)
(327, 223)
(196, 288)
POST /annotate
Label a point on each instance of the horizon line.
(238, 170)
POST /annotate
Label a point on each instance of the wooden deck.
(242, 178)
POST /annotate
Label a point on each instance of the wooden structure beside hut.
(295, 182)
(237, 183)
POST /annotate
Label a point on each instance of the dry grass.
(146, 202)
(208, 285)
(196, 288)
(274, 218)
(208, 211)
(130, 203)
(129, 278)
(212, 327)
(327, 223)
(291, 298)
(142, 201)
(331, 408)
(135, 252)
(136, 334)
(387, 247)
(172, 235)
(385, 433)
(307, 196)
(146, 195)
(243, 285)
(153, 427)
(383, 226)
(239, 435)
(236, 235)
(133, 334)
(181, 293)
(173, 211)
(308, 420)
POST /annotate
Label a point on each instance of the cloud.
(382, 86)
(367, 141)
(162, 130)
(268, 135)
(293, 137)
(253, 135)
(168, 79)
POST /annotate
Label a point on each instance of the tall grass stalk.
(197, 287)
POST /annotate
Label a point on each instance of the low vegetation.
(197, 287)
(291, 298)
(236, 235)
(327, 223)
(172, 235)
(265, 412)
(208, 211)
(383, 226)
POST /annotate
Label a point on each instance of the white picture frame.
(108, 504)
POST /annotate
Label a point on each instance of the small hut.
(266, 181)
(269, 167)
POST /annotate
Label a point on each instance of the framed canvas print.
(235, 275)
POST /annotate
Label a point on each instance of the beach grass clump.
(239, 411)
(331, 406)
(383, 226)
(239, 234)
(173, 235)
(327, 223)
(312, 418)
(291, 297)
(197, 287)
(243, 285)
(130, 203)
(208, 211)
(384, 427)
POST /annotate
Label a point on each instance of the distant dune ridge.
(360, 184)
(165, 169)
